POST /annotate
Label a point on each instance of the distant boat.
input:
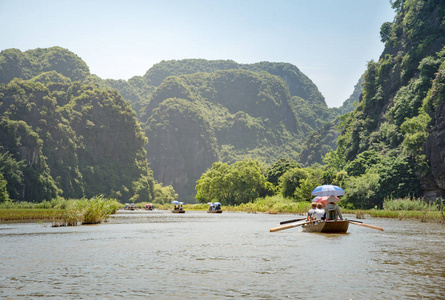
(178, 207)
(214, 208)
(330, 226)
(149, 206)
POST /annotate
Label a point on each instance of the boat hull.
(178, 211)
(214, 211)
(338, 226)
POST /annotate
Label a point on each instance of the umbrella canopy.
(326, 199)
(217, 203)
(210, 203)
(328, 190)
(315, 199)
(175, 202)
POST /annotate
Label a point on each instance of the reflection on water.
(160, 255)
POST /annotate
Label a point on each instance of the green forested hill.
(392, 142)
(25, 65)
(249, 114)
(63, 135)
(194, 112)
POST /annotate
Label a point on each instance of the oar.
(291, 221)
(366, 225)
(287, 226)
(355, 221)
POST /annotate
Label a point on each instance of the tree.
(4, 196)
(291, 180)
(233, 184)
(361, 191)
(385, 31)
(276, 170)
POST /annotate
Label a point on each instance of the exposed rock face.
(181, 146)
(435, 151)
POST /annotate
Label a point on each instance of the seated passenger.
(319, 212)
(332, 209)
(310, 213)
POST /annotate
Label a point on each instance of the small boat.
(214, 208)
(330, 226)
(178, 207)
(149, 206)
(131, 206)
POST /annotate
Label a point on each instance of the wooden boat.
(178, 211)
(218, 211)
(331, 226)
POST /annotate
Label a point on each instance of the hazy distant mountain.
(247, 111)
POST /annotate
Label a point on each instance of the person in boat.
(180, 207)
(311, 211)
(218, 206)
(319, 212)
(332, 209)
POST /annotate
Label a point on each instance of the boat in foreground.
(330, 226)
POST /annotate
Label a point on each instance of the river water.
(196, 255)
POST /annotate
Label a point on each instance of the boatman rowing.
(332, 209)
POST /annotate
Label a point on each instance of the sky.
(330, 41)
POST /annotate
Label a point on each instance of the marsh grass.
(408, 204)
(61, 212)
(272, 205)
(29, 214)
(359, 214)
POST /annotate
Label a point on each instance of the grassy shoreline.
(96, 210)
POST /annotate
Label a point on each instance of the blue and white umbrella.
(328, 190)
(175, 202)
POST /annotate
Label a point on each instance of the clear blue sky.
(330, 41)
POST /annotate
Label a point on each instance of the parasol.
(328, 190)
(326, 199)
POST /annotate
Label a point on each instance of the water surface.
(160, 255)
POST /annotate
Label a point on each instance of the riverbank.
(69, 212)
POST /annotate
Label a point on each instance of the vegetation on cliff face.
(385, 135)
(182, 144)
(61, 134)
(261, 111)
(248, 115)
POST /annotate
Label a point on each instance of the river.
(196, 255)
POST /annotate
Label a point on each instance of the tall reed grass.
(273, 205)
(408, 204)
(62, 212)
